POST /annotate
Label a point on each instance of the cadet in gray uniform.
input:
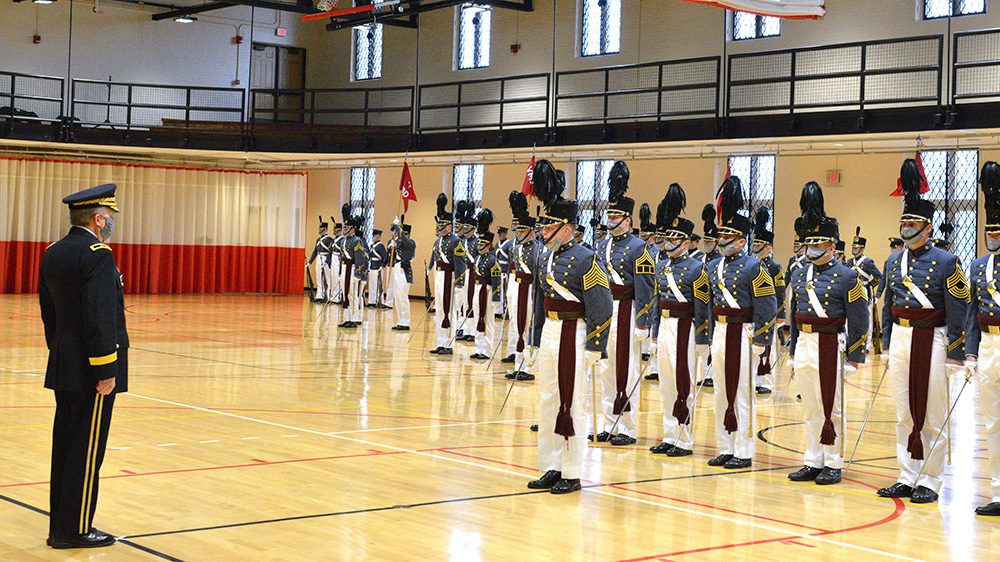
(487, 276)
(570, 335)
(448, 257)
(682, 306)
(402, 249)
(321, 255)
(870, 276)
(744, 307)
(336, 290)
(895, 245)
(707, 252)
(356, 259)
(465, 317)
(524, 267)
(647, 233)
(632, 272)
(600, 234)
(982, 331)
(763, 249)
(578, 235)
(828, 296)
(376, 270)
(927, 296)
(503, 245)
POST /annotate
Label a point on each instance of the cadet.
(402, 249)
(487, 276)
(356, 258)
(322, 251)
(870, 276)
(524, 265)
(449, 263)
(763, 249)
(376, 266)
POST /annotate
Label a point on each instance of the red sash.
(567, 364)
(920, 371)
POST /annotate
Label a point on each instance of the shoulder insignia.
(97, 247)
(957, 285)
(857, 292)
(595, 277)
(701, 287)
(763, 285)
(644, 265)
(779, 279)
(460, 250)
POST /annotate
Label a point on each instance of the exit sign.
(833, 177)
(281, 32)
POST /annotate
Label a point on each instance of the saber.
(867, 417)
(513, 381)
(628, 399)
(947, 422)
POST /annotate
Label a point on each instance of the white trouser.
(486, 339)
(706, 369)
(674, 433)
(442, 334)
(767, 381)
(374, 287)
(989, 402)
(609, 381)
(400, 296)
(818, 455)
(555, 452)
(519, 362)
(458, 298)
(355, 308)
(322, 272)
(501, 307)
(390, 289)
(740, 443)
(930, 469)
(511, 297)
(336, 290)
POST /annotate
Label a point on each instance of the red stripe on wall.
(161, 268)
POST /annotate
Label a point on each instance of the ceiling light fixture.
(43, 1)
(185, 19)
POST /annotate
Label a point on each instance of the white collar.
(87, 230)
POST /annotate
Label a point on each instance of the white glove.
(850, 370)
(758, 350)
(971, 368)
(530, 354)
(701, 350)
(641, 334)
(590, 358)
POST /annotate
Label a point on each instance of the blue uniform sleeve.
(796, 278)
(972, 333)
(654, 312)
(856, 305)
(765, 305)
(956, 305)
(644, 284)
(598, 305)
(870, 268)
(702, 308)
(779, 287)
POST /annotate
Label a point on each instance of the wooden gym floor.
(257, 430)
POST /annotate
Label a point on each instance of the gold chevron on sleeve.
(595, 277)
(779, 279)
(857, 292)
(460, 250)
(763, 285)
(701, 287)
(957, 285)
(644, 265)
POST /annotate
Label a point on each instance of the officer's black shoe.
(401, 328)
(923, 494)
(508, 359)
(720, 460)
(653, 377)
(511, 375)
(93, 539)
(991, 509)
(534, 427)
(602, 437)
(522, 376)
(678, 452)
(445, 351)
(897, 490)
(436, 350)
(828, 476)
(763, 390)
(805, 474)
(645, 357)
(661, 448)
(736, 462)
(621, 439)
(547, 480)
(707, 383)
(565, 486)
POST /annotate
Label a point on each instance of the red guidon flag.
(406, 190)
(527, 187)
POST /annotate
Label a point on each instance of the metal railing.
(489, 104)
(897, 72)
(28, 98)
(318, 107)
(975, 72)
(676, 89)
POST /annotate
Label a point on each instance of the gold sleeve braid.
(857, 344)
(595, 277)
(599, 330)
(779, 279)
(767, 326)
(957, 342)
(763, 285)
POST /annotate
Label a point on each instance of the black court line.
(438, 502)
(41, 511)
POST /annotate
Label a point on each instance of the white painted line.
(749, 523)
(290, 436)
(166, 445)
(249, 438)
(209, 441)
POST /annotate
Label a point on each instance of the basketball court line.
(521, 475)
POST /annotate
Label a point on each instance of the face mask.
(856, 253)
(909, 233)
(814, 253)
(728, 248)
(993, 245)
(552, 244)
(109, 227)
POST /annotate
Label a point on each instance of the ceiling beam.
(415, 7)
(190, 11)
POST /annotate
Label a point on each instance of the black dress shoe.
(344, 324)
(547, 480)
(736, 462)
(401, 328)
(653, 377)
(508, 359)
(679, 452)
(602, 437)
(522, 376)
(897, 490)
(991, 509)
(92, 539)
(445, 351)
(660, 448)
(805, 474)
(828, 476)
(621, 440)
(478, 356)
(923, 494)
(431, 310)
(534, 427)
(436, 350)
(763, 390)
(707, 383)
(565, 486)
(510, 375)
(720, 460)
(645, 357)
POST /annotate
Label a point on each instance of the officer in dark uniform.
(83, 310)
